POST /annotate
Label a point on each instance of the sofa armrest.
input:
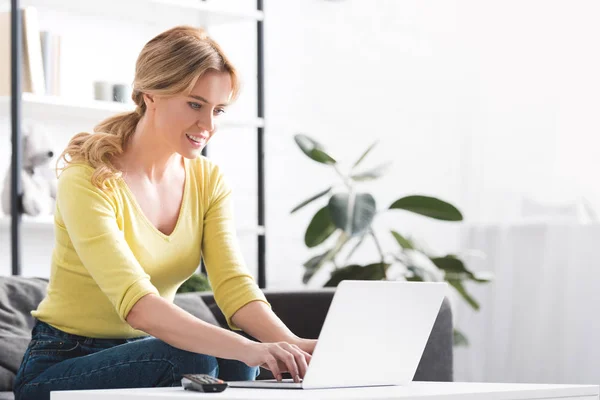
(304, 312)
(438, 357)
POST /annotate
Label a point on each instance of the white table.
(416, 391)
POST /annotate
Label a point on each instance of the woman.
(137, 207)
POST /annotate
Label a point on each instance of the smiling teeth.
(196, 139)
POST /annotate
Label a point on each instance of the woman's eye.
(219, 111)
(195, 106)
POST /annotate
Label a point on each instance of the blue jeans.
(56, 360)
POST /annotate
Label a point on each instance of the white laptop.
(374, 335)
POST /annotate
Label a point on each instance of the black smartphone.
(203, 383)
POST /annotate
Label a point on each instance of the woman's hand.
(308, 345)
(278, 358)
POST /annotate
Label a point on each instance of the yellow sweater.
(107, 254)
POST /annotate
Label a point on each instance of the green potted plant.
(195, 283)
(348, 216)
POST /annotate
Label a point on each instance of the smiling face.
(186, 123)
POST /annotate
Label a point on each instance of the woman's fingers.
(288, 358)
(271, 362)
(299, 356)
(307, 356)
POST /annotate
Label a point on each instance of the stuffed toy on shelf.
(38, 177)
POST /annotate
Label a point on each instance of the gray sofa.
(303, 311)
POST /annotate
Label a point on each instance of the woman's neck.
(145, 155)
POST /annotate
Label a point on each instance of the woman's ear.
(148, 100)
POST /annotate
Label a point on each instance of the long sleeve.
(89, 217)
(232, 284)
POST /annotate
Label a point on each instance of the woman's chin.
(191, 154)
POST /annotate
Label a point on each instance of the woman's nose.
(207, 124)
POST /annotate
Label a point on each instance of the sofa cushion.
(193, 303)
(6, 379)
(7, 396)
(18, 297)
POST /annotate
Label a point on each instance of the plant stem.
(335, 265)
(354, 249)
(351, 200)
(340, 242)
(372, 233)
(344, 177)
(350, 211)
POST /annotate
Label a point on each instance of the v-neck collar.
(182, 208)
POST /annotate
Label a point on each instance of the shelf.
(258, 230)
(48, 222)
(150, 11)
(52, 107)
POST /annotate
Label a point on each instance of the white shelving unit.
(47, 222)
(157, 14)
(40, 108)
(148, 11)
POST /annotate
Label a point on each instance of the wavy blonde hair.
(169, 64)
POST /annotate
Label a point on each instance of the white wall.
(481, 103)
(469, 99)
(348, 73)
(534, 120)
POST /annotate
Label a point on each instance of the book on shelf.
(32, 50)
(51, 57)
(40, 63)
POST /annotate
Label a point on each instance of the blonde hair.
(169, 64)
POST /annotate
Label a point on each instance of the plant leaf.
(463, 292)
(365, 154)
(371, 272)
(416, 274)
(313, 149)
(453, 266)
(195, 283)
(429, 207)
(372, 174)
(403, 242)
(313, 265)
(419, 274)
(310, 200)
(460, 339)
(319, 229)
(363, 213)
(478, 279)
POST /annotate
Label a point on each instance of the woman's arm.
(168, 322)
(258, 320)
(233, 286)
